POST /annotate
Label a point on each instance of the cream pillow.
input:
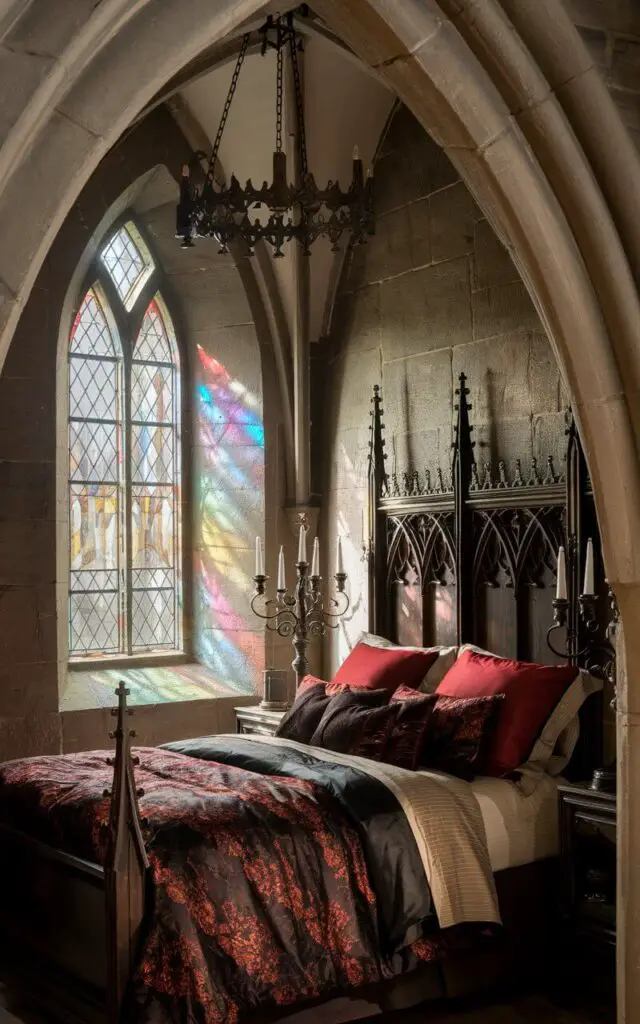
(557, 741)
(437, 672)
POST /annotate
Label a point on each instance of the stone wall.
(227, 509)
(209, 306)
(610, 30)
(432, 294)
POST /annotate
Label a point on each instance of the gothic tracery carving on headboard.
(520, 543)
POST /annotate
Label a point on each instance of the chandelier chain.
(225, 109)
(279, 87)
(302, 141)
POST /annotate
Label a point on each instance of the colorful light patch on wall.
(229, 474)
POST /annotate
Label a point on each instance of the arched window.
(124, 460)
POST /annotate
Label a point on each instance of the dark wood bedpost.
(463, 462)
(126, 865)
(375, 553)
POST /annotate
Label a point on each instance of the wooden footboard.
(70, 929)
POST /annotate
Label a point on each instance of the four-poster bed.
(470, 561)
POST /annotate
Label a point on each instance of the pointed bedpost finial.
(376, 446)
(124, 815)
(462, 445)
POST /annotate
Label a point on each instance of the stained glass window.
(128, 262)
(124, 467)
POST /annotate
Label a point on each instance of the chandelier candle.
(300, 614)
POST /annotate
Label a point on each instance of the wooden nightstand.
(588, 864)
(254, 719)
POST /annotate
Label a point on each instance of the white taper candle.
(561, 585)
(302, 545)
(259, 558)
(282, 585)
(589, 587)
(315, 563)
(339, 559)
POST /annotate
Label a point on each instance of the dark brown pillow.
(357, 722)
(303, 717)
(409, 731)
(459, 733)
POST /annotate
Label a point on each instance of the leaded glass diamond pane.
(93, 450)
(153, 615)
(94, 621)
(153, 343)
(90, 334)
(93, 388)
(151, 393)
(152, 454)
(128, 262)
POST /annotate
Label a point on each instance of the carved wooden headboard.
(471, 557)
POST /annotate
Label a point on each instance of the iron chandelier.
(304, 212)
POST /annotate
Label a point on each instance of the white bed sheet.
(519, 828)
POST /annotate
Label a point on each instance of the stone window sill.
(88, 688)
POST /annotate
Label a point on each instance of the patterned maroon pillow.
(303, 717)
(357, 722)
(409, 731)
(459, 733)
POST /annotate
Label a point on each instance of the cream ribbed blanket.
(447, 825)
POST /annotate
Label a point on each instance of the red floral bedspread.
(261, 891)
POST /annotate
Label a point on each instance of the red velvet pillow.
(384, 668)
(531, 694)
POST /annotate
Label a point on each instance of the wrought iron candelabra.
(300, 614)
(586, 646)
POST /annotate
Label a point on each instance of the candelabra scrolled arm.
(560, 615)
(283, 616)
(597, 657)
